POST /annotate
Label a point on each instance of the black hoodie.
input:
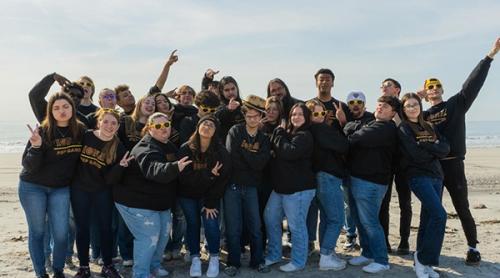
(330, 147)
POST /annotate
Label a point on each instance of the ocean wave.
(12, 147)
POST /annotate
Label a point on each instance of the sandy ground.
(483, 173)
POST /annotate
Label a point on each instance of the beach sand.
(482, 170)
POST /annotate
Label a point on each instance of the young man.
(277, 87)
(449, 118)
(250, 150)
(125, 99)
(372, 148)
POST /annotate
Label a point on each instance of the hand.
(217, 167)
(233, 104)
(35, 139)
(183, 162)
(61, 80)
(172, 58)
(494, 50)
(283, 124)
(211, 213)
(171, 93)
(339, 113)
(125, 160)
(210, 73)
(422, 94)
(396, 119)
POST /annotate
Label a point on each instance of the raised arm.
(160, 83)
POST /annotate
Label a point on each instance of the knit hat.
(255, 102)
(211, 118)
(356, 95)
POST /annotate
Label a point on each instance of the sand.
(482, 170)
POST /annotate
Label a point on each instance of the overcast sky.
(363, 42)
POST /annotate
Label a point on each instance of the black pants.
(102, 202)
(456, 184)
(404, 197)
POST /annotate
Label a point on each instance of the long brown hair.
(137, 114)
(109, 149)
(421, 122)
(49, 124)
(274, 100)
(194, 142)
(307, 118)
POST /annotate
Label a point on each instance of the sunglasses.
(207, 109)
(110, 110)
(110, 97)
(319, 114)
(160, 126)
(437, 86)
(86, 84)
(355, 102)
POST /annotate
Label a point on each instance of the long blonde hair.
(111, 146)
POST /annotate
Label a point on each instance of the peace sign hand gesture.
(125, 160)
(217, 167)
(339, 113)
(35, 139)
(183, 162)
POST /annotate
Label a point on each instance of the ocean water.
(480, 134)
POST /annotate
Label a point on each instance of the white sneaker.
(375, 268)
(432, 273)
(289, 267)
(160, 272)
(419, 268)
(128, 263)
(195, 269)
(331, 262)
(270, 263)
(213, 267)
(360, 260)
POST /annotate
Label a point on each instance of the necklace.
(63, 135)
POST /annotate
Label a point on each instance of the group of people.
(140, 181)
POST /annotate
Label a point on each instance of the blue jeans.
(331, 205)
(295, 207)
(192, 211)
(432, 218)
(242, 203)
(178, 229)
(368, 198)
(349, 210)
(38, 201)
(150, 229)
(312, 219)
(125, 240)
(49, 242)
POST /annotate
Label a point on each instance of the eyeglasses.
(411, 106)
(437, 86)
(386, 85)
(207, 109)
(85, 84)
(319, 114)
(355, 102)
(108, 97)
(160, 126)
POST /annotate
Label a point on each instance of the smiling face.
(158, 128)
(252, 118)
(297, 117)
(318, 114)
(107, 99)
(388, 88)
(272, 112)
(411, 108)
(162, 104)
(324, 83)
(108, 125)
(277, 90)
(148, 106)
(62, 111)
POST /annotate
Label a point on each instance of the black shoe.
(473, 258)
(58, 275)
(44, 276)
(110, 272)
(83, 272)
(263, 268)
(231, 271)
(403, 248)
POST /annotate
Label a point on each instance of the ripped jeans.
(150, 229)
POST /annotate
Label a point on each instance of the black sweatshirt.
(150, 180)
(371, 151)
(420, 154)
(52, 165)
(181, 112)
(449, 116)
(249, 155)
(39, 104)
(197, 180)
(331, 111)
(187, 128)
(330, 147)
(292, 169)
(228, 119)
(129, 131)
(93, 173)
(87, 109)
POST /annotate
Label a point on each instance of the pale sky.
(363, 42)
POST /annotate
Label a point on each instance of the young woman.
(163, 105)
(207, 103)
(49, 162)
(99, 167)
(294, 187)
(330, 146)
(422, 147)
(131, 126)
(147, 193)
(201, 188)
(274, 114)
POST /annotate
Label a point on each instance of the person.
(86, 106)
(49, 162)
(131, 126)
(125, 99)
(146, 194)
(229, 111)
(107, 100)
(371, 152)
(41, 89)
(163, 105)
(330, 147)
(293, 187)
(356, 102)
(184, 95)
(207, 103)
(91, 190)
(277, 88)
(250, 151)
(201, 187)
(449, 119)
(208, 82)
(421, 148)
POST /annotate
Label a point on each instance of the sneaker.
(376, 268)
(403, 248)
(44, 276)
(331, 262)
(128, 263)
(231, 271)
(360, 260)
(432, 273)
(213, 266)
(473, 258)
(160, 272)
(58, 274)
(69, 262)
(263, 268)
(270, 263)
(289, 267)
(83, 272)
(110, 272)
(195, 269)
(419, 268)
(350, 242)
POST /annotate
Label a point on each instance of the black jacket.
(330, 148)
(181, 112)
(150, 180)
(187, 128)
